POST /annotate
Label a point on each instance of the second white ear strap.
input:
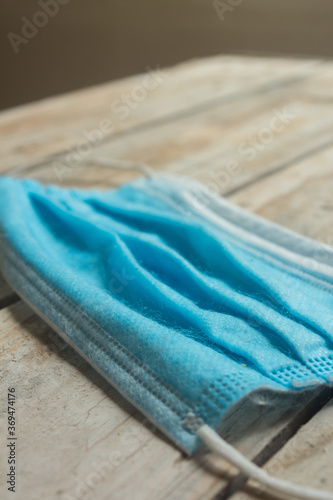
(275, 485)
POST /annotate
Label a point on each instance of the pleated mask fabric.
(183, 301)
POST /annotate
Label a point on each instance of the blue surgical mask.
(183, 301)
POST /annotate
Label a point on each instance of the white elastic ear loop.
(217, 444)
(120, 164)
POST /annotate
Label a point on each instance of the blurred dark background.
(82, 42)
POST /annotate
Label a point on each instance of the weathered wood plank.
(206, 145)
(37, 130)
(224, 152)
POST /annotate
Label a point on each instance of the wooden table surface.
(258, 131)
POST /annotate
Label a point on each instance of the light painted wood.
(34, 131)
(72, 424)
(203, 144)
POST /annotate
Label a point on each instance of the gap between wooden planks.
(306, 458)
(203, 146)
(152, 461)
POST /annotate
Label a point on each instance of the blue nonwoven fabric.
(183, 301)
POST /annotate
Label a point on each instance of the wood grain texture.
(35, 131)
(79, 439)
